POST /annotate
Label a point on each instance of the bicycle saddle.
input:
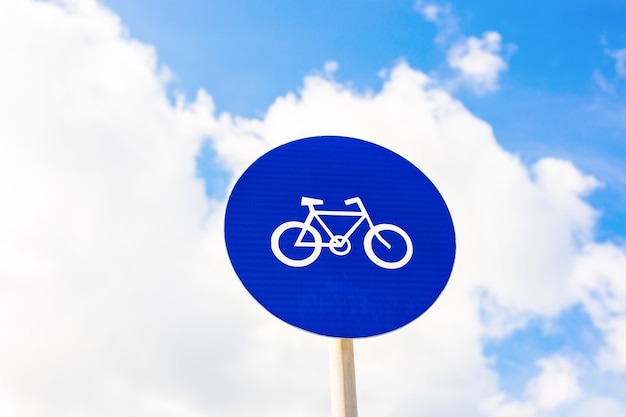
(310, 201)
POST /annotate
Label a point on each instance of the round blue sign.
(339, 236)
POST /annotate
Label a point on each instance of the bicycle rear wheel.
(316, 245)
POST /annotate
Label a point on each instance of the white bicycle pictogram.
(338, 244)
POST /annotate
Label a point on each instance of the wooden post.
(342, 380)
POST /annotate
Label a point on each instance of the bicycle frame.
(335, 241)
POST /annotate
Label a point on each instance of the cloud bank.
(116, 296)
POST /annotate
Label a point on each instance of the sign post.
(342, 379)
(339, 237)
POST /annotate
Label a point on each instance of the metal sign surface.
(339, 236)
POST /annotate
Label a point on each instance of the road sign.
(339, 236)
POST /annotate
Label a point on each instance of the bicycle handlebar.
(353, 200)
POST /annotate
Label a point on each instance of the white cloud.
(441, 15)
(107, 295)
(116, 296)
(601, 81)
(620, 61)
(555, 386)
(479, 61)
(599, 406)
(599, 273)
(330, 67)
(430, 11)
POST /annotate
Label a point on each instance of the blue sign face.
(339, 236)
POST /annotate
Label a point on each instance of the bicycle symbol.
(338, 244)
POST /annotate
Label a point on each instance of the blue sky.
(116, 295)
(246, 53)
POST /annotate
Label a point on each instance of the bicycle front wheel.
(316, 245)
(376, 231)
